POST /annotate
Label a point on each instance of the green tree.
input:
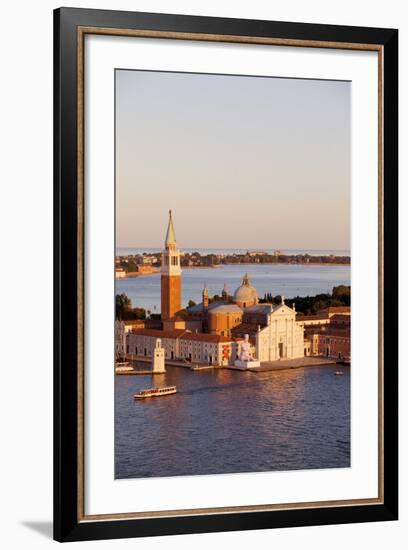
(138, 313)
(343, 294)
(124, 309)
(123, 305)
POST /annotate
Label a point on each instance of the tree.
(342, 293)
(138, 313)
(124, 310)
(123, 305)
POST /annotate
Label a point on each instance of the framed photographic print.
(225, 274)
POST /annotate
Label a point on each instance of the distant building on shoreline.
(329, 333)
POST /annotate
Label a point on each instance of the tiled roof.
(174, 333)
(245, 328)
(326, 330)
(335, 309)
(182, 334)
(337, 332)
(225, 308)
(201, 337)
(198, 308)
(260, 308)
(311, 317)
(340, 317)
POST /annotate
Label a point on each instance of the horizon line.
(253, 249)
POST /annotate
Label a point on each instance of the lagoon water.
(224, 421)
(288, 279)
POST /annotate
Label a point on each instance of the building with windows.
(335, 310)
(332, 339)
(183, 345)
(120, 338)
(142, 342)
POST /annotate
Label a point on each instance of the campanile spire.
(171, 234)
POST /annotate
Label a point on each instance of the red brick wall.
(170, 295)
(334, 345)
(222, 323)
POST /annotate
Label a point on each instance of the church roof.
(283, 308)
(198, 308)
(245, 328)
(260, 308)
(246, 292)
(225, 308)
(171, 234)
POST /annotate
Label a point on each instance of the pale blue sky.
(243, 162)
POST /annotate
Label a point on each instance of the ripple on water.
(226, 422)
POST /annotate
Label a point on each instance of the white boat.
(338, 373)
(155, 392)
(123, 367)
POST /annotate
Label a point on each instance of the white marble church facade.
(282, 337)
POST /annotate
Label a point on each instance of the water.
(224, 421)
(287, 279)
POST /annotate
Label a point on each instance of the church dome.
(246, 294)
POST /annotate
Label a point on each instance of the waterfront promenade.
(266, 366)
(300, 362)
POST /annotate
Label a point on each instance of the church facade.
(282, 337)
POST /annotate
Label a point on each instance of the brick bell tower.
(170, 275)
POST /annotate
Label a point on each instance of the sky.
(243, 162)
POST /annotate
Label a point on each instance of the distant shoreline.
(326, 264)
